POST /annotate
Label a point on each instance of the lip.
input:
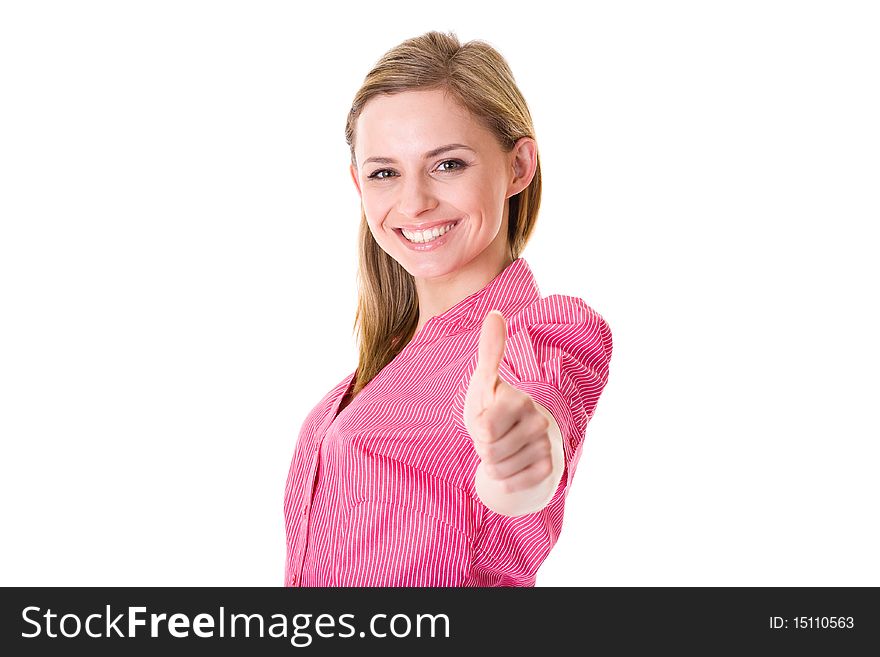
(430, 246)
(413, 228)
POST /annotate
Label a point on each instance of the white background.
(178, 261)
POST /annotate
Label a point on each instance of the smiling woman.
(445, 458)
(408, 183)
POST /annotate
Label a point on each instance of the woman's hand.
(517, 440)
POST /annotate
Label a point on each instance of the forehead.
(409, 123)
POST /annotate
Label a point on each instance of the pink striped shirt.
(383, 494)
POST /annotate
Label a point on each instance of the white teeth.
(421, 237)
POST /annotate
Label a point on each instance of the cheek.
(485, 196)
(376, 224)
(375, 204)
(372, 212)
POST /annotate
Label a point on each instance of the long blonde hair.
(479, 78)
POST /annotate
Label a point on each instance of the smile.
(423, 237)
(428, 240)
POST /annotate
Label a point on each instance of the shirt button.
(305, 508)
(293, 581)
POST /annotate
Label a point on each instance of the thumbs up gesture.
(517, 440)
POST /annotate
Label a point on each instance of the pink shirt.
(383, 494)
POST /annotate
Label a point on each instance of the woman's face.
(410, 179)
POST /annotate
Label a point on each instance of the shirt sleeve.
(558, 351)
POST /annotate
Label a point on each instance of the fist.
(511, 433)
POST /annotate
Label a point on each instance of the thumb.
(493, 337)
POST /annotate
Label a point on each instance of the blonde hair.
(478, 77)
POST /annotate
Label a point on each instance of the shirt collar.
(510, 291)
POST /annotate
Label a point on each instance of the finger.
(519, 435)
(508, 408)
(531, 476)
(529, 454)
(493, 336)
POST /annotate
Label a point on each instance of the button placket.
(301, 540)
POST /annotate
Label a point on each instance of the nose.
(415, 197)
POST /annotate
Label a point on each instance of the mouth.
(427, 236)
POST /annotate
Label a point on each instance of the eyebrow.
(432, 153)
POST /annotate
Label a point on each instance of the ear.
(524, 164)
(354, 177)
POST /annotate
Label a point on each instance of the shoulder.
(559, 309)
(565, 316)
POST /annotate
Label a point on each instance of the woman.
(444, 459)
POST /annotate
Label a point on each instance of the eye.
(458, 164)
(377, 175)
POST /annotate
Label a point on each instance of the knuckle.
(540, 422)
(545, 468)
